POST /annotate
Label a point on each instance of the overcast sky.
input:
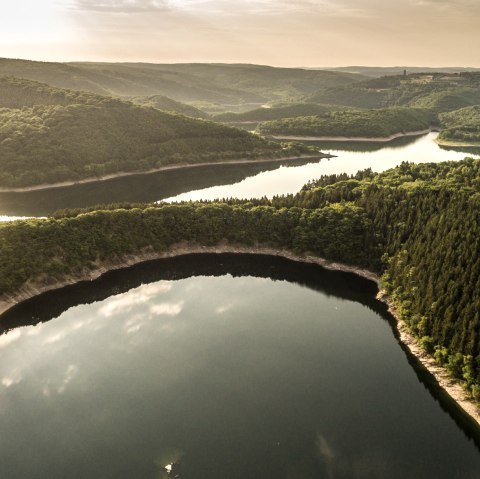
(275, 32)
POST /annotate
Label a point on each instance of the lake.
(239, 181)
(229, 366)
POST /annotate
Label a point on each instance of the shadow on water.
(135, 188)
(342, 285)
(473, 150)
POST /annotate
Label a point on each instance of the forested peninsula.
(416, 226)
(371, 124)
(460, 127)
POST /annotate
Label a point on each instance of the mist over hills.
(225, 84)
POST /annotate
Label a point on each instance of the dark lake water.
(225, 181)
(232, 366)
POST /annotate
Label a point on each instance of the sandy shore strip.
(451, 386)
(379, 139)
(244, 161)
(472, 144)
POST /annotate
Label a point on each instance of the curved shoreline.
(457, 143)
(452, 387)
(63, 184)
(380, 139)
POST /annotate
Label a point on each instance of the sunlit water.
(288, 179)
(226, 377)
(13, 218)
(221, 181)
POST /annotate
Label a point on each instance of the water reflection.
(137, 188)
(226, 376)
(225, 181)
(349, 158)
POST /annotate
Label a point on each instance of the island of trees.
(415, 225)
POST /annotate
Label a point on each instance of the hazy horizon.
(313, 67)
(304, 33)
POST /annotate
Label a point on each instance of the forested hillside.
(438, 91)
(167, 104)
(18, 93)
(461, 126)
(353, 123)
(50, 135)
(418, 225)
(275, 113)
(428, 221)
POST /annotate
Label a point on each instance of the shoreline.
(63, 184)
(452, 387)
(457, 143)
(379, 139)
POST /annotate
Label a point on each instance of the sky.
(309, 33)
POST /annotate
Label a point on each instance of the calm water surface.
(350, 158)
(232, 367)
(222, 181)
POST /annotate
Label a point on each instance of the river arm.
(246, 161)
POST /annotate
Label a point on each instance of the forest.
(164, 103)
(437, 91)
(64, 135)
(461, 126)
(276, 112)
(353, 123)
(416, 225)
(53, 135)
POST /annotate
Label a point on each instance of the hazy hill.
(167, 104)
(398, 70)
(441, 92)
(217, 83)
(61, 135)
(275, 113)
(19, 93)
(57, 74)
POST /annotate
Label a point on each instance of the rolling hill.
(438, 91)
(216, 83)
(61, 135)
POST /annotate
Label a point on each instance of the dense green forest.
(417, 225)
(461, 126)
(73, 241)
(437, 91)
(64, 135)
(354, 123)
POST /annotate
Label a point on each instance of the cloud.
(120, 6)
(10, 337)
(126, 301)
(269, 7)
(168, 309)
